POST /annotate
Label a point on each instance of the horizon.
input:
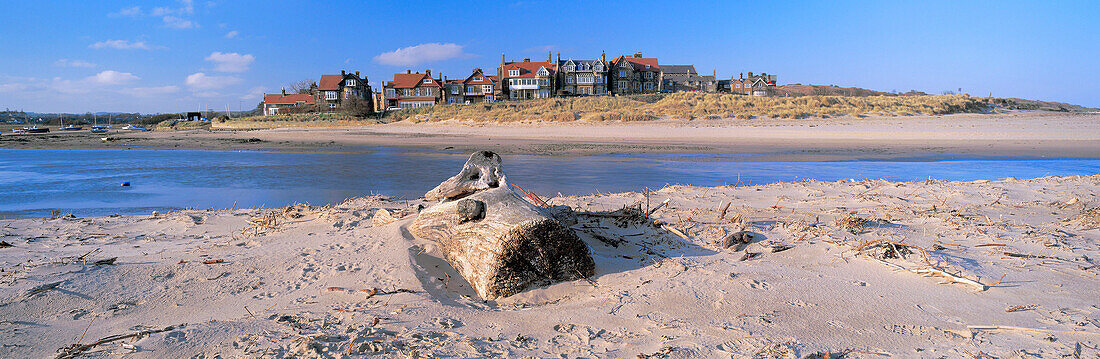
(175, 56)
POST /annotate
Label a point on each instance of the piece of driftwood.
(501, 243)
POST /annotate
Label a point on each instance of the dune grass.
(642, 108)
(695, 106)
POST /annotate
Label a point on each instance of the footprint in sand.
(758, 284)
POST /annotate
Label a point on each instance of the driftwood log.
(499, 242)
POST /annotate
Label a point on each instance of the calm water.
(87, 182)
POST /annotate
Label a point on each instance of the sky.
(172, 55)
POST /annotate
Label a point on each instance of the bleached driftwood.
(499, 242)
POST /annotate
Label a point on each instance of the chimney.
(638, 55)
(284, 91)
(502, 59)
(342, 73)
(357, 74)
(549, 56)
(526, 59)
(559, 57)
(603, 56)
(428, 71)
(750, 74)
(407, 71)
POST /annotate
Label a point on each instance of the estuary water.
(88, 182)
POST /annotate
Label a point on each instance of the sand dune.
(308, 281)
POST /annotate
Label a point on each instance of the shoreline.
(1020, 134)
(296, 288)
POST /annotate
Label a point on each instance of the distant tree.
(301, 87)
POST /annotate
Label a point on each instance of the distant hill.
(1022, 104)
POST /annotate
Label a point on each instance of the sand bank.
(1020, 134)
(325, 281)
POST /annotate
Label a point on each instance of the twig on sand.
(77, 350)
(654, 209)
(677, 232)
(534, 197)
(974, 328)
(725, 208)
(42, 288)
(930, 270)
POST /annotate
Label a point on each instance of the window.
(585, 78)
(569, 80)
(515, 94)
(331, 105)
(391, 93)
(544, 94)
(487, 88)
(417, 91)
(349, 83)
(330, 95)
(648, 86)
(647, 66)
(622, 85)
(407, 92)
(477, 78)
(737, 85)
(622, 73)
(513, 72)
(456, 90)
(488, 98)
(471, 89)
(427, 81)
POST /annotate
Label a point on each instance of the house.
(413, 90)
(475, 88)
(582, 77)
(634, 75)
(754, 85)
(337, 91)
(275, 102)
(676, 78)
(526, 79)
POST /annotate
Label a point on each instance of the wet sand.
(1019, 134)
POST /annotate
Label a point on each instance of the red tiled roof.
(280, 99)
(485, 80)
(639, 63)
(330, 82)
(412, 80)
(528, 69)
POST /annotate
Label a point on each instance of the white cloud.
(111, 77)
(419, 54)
(178, 23)
(73, 63)
(200, 81)
(130, 11)
(231, 34)
(231, 62)
(121, 45)
(254, 93)
(187, 7)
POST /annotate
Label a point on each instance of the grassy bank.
(697, 105)
(656, 106)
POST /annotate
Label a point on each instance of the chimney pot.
(342, 73)
(526, 59)
(357, 74)
(407, 71)
(638, 55)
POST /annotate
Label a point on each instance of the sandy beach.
(1017, 134)
(867, 269)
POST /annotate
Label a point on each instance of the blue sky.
(170, 55)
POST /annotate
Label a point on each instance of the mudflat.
(1016, 134)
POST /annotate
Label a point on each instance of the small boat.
(98, 129)
(34, 129)
(69, 127)
(135, 128)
